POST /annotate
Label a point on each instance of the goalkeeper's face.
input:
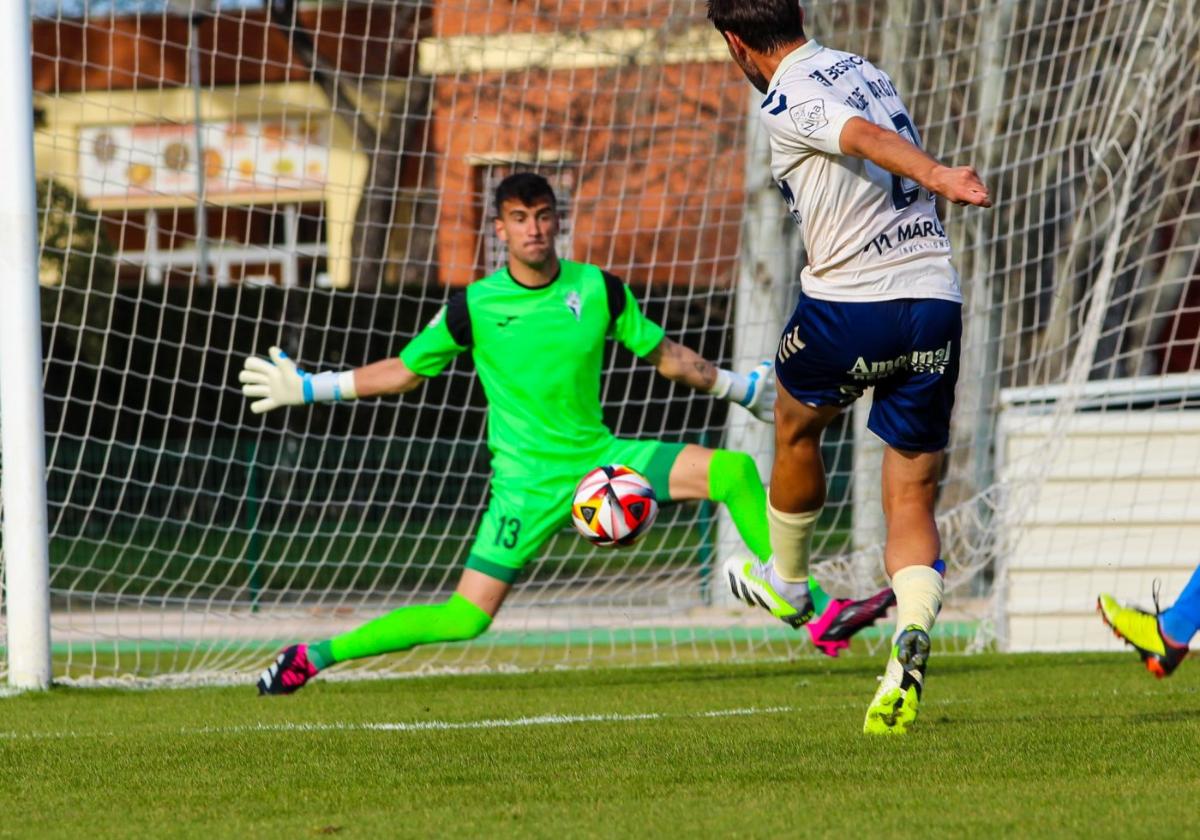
(528, 230)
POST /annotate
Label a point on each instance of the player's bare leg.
(798, 474)
(913, 545)
(910, 481)
(782, 584)
(689, 478)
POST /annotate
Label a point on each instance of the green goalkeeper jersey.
(538, 352)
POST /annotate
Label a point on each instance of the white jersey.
(870, 235)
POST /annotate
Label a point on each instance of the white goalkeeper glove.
(753, 391)
(279, 382)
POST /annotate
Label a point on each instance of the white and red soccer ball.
(613, 505)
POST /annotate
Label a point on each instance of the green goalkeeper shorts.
(521, 517)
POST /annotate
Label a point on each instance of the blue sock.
(1182, 620)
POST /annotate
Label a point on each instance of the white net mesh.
(344, 152)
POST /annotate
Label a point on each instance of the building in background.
(292, 157)
(654, 192)
(333, 154)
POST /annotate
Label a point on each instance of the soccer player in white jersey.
(880, 307)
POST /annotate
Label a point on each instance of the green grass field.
(1047, 746)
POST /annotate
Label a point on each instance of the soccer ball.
(613, 505)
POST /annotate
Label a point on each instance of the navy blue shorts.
(906, 349)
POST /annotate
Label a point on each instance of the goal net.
(343, 154)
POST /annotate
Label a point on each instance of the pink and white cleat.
(832, 630)
(290, 671)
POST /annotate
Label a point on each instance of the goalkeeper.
(536, 329)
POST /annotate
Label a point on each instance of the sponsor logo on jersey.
(809, 116)
(843, 66)
(918, 361)
(789, 344)
(857, 99)
(882, 87)
(508, 319)
(923, 227)
(574, 303)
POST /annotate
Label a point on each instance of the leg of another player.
(797, 495)
(909, 492)
(910, 482)
(733, 479)
(1161, 639)
(465, 615)
(1181, 621)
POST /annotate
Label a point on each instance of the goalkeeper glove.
(279, 382)
(753, 391)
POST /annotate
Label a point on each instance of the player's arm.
(276, 381)
(885, 148)
(683, 364)
(387, 376)
(754, 391)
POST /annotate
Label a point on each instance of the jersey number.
(904, 190)
(513, 526)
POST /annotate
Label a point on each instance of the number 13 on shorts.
(508, 532)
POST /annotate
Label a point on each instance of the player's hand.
(272, 383)
(753, 391)
(962, 185)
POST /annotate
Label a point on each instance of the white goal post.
(24, 562)
(213, 178)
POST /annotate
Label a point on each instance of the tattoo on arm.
(680, 363)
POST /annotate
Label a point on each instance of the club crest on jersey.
(573, 303)
(809, 116)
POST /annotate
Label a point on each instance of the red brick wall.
(658, 150)
(103, 53)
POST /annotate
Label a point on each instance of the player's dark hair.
(525, 187)
(765, 25)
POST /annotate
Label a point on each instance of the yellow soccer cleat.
(1141, 631)
(894, 707)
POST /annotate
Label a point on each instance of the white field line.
(413, 726)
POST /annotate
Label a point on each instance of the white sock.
(918, 597)
(791, 536)
(791, 590)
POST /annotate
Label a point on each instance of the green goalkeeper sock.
(733, 481)
(455, 620)
(820, 599)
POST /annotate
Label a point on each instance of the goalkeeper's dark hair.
(525, 187)
(765, 25)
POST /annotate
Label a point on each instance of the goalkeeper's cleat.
(894, 707)
(1143, 633)
(749, 581)
(290, 671)
(843, 618)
